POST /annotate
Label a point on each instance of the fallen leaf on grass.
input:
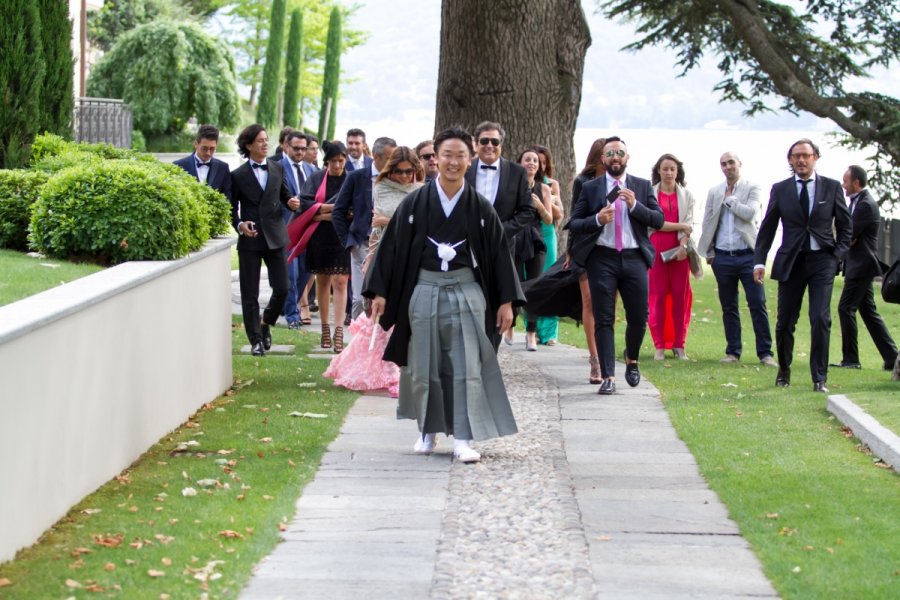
(94, 587)
(307, 384)
(772, 515)
(108, 540)
(109, 567)
(207, 482)
(282, 527)
(72, 584)
(164, 539)
(265, 440)
(77, 564)
(729, 385)
(124, 479)
(188, 492)
(796, 569)
(787, 531)
(79, 551)
(183, 446)
(809, 548)
(5, 582)
(225, 452)
(241, 384)
(50, 265)
(228, 533)
(166, 561)
(91, 511)
(155, 573)
(308, 415)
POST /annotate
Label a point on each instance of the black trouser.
(858, 295)
(249, 263)
(813, 270)
(527, 270)
(609, 271)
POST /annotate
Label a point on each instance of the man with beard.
(425, 152)
(611, 217)
(815, 236)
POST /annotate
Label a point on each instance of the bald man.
(727, 242)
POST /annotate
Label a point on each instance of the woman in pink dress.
(360, 367)
(670, 289)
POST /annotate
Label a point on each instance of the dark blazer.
(829, 215)
(583, 224)
(218, 178)
(352, 214)
(249, 202)
(862, 257)
(513, 202)
(367, 161)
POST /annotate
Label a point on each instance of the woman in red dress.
(670, 288)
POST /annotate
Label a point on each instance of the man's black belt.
(743, 252)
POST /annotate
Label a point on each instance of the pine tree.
(57, 97)
(267, 111)
(328, 112)
(21, 79)
(293, 70)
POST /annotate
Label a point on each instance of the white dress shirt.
(447, 203)
(202, 170)
(262, 175)
(607, 237)
(487, 181)
(727, 235)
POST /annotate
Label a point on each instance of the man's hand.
(377, 307)
(606, 214)
(294, 203)
(628, 196)
(504, 317)
(248, 229)
(380, 220)
(758, 274)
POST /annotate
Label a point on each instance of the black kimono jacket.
(395, 269)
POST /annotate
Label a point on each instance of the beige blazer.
(685, 206)
(745, 203)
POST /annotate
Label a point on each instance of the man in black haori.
(444, 280)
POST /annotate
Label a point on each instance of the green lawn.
(820, 513)
(22, 276)
(140, 536)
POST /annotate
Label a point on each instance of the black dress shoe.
(848, 365)
(632, 374)
(607, 387)
(257, 349)
(819, 386)
(888, 366)
(783, 379)
(266, 336)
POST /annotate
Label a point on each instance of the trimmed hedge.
(19, 189)
(108, 205)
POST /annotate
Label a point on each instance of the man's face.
(381, 159)
(296, 149)
(205, 149)
(355, 145)
(615, 158)
(312, 152)
(731, 167)
(452, 160)
(803, 160)
(259, 148)
(850, 185)
(488, 146)
(429, 160)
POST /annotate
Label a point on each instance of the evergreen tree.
(57, 98)
(267, 111)
(21, 79)
(293, 70)
(328, 112)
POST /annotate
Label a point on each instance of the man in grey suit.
(860, 267)
(815, 236)
(611, 218)
(727, 242)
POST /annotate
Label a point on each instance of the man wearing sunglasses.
(503, 183)
(610, 218)
(352, 215)
(425, 152)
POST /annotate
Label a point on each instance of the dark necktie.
(804, 204)
(259, 166)
(491, 167)
(297, 175)
(854, 200)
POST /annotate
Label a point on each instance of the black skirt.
(325, 255)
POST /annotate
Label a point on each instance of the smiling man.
(443, 279)
(816, 231)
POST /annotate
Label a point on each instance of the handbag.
(300, 229)
(890, 284)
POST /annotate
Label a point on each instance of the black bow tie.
(491, 167)
(206, 164)
(259, 166)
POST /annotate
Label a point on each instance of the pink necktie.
(619, 219)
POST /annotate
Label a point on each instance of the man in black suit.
(203, 165)
(860, 267)
(815, 236)
(356, 143)
(611, 217)
(352, 216)
(503, 183)
(259, 190)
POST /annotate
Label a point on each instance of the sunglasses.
(403, 172)
(427, 156)
(486, 140)
(612, 153)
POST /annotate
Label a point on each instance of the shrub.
(18, 191)
(138, 141)
(116, 210)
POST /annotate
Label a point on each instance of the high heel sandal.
(595, 370)
(338, 339)
(305, 320)
(326, 336)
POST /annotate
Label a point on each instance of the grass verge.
(22, 275)
(821, 514)
(142, 535)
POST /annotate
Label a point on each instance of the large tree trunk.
(519, 64)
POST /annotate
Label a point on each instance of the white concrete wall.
(94, 372)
